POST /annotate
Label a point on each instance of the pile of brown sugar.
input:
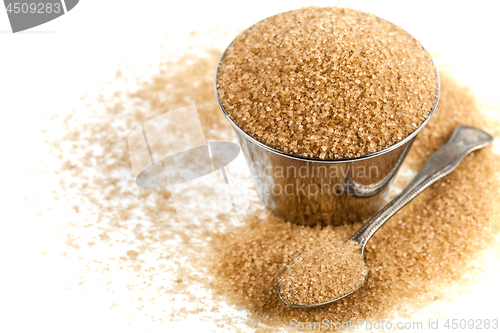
(327, 82)
(323, 274)
(429, 246)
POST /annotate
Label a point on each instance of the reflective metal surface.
(313, 191)
(321, 192)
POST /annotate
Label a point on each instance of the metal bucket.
(313, 191)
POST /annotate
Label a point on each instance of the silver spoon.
(463, 141)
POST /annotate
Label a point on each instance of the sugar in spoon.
(463, 141)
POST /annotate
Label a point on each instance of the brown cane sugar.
(327, 82)
(431, 245)
(323, 274)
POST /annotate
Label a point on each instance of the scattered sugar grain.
(424, 249)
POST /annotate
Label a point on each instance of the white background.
(46, 69)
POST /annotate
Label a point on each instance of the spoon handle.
(464, 140)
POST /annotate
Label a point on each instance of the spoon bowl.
(290, 265)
